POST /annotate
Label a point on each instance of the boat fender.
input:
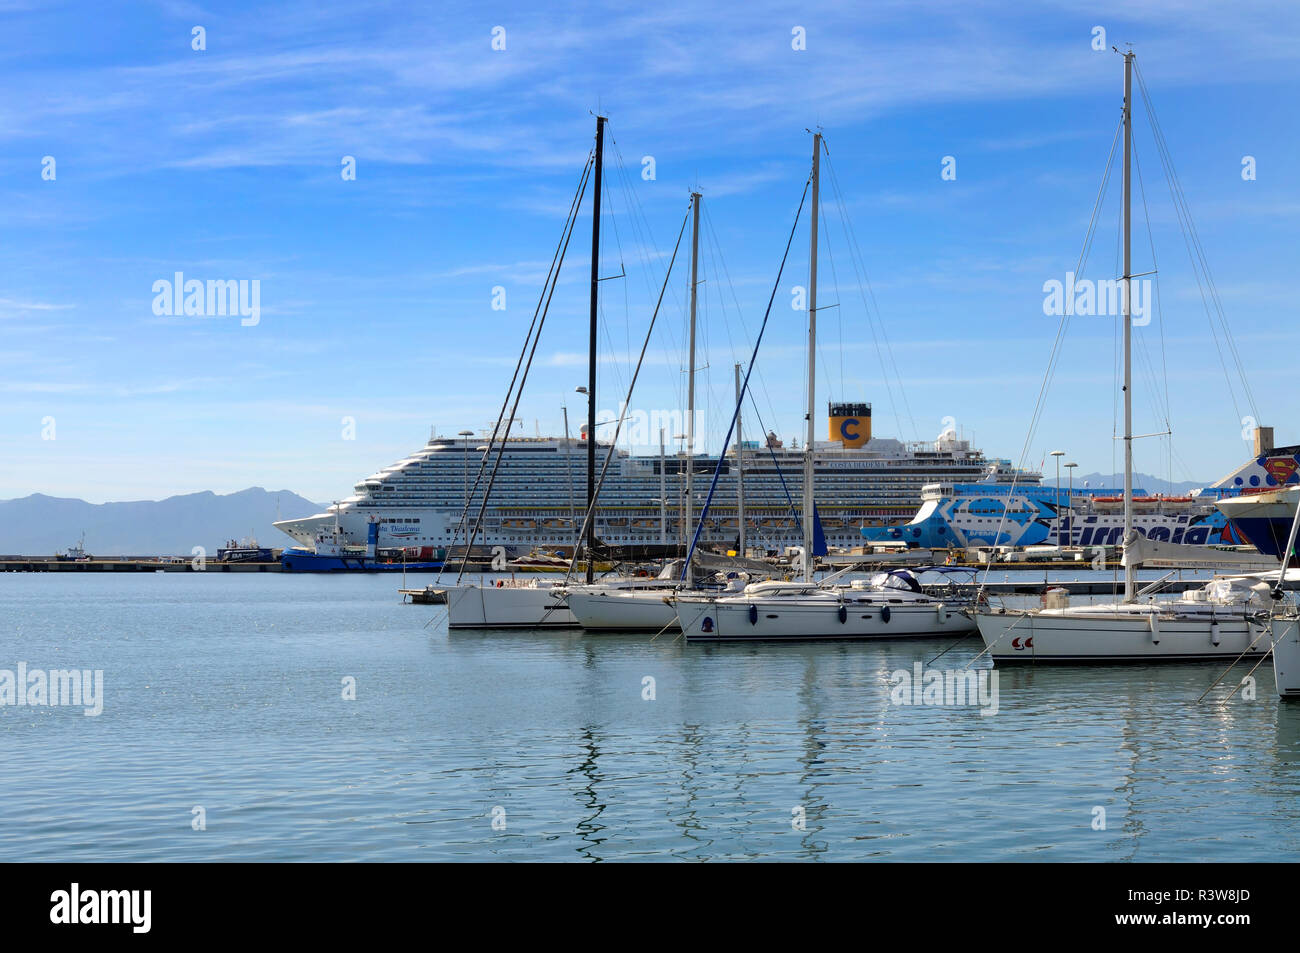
(1214, 633)
(884, 614)
(844, 615)
(941, 611)
(753, 615)
(1155, 628)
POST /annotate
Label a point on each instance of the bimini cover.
(896, 579)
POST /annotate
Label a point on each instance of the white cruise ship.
(540, 490)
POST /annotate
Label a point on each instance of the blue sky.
(376, 294)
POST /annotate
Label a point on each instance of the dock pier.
(128, 564)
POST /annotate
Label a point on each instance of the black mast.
(591, 355)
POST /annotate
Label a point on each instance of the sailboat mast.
(740, 471)
(812, 369)
(690, 372)
(591, 353)
(1129, 567)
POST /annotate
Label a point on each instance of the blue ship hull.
(1269, 536)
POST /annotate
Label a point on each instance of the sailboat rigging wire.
(523, 377)
(876, 319)
(744, 387)
(1055, 355)
(1167, 411)
(1232, 665)
(740, 317)
(780, 474)
(1161, 410)
(644, 234)
(1266, 630)
(614, 367)
(839, 312)
(1196, 252)
(613, 443)
(552, 275)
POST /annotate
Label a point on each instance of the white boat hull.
(650, 611)
(508, 607)
(707, 620)
(1120, 637)
(1286, 656)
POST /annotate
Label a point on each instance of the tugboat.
(76, 554)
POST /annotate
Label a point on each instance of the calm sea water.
(225, 692)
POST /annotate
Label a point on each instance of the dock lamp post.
(1069, 526)
(1058, 454)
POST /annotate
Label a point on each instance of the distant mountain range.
(40, 525)
(1141, 481)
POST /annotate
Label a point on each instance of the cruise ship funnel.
(850, 424)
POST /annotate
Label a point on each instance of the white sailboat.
(534, 603)
(888, 606)
(595, 606)
(1286, 625)
(602, 607)
(514, 604)
(1225, 619)
(885, 607)
(1286, 655)
(646, 605)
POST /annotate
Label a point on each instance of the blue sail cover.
(819, 534)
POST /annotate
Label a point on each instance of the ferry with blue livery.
(1268, 490)
(1245, 508)
(980, 514)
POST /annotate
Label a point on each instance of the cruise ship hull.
(421, 502)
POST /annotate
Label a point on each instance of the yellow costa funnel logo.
(850, 424)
